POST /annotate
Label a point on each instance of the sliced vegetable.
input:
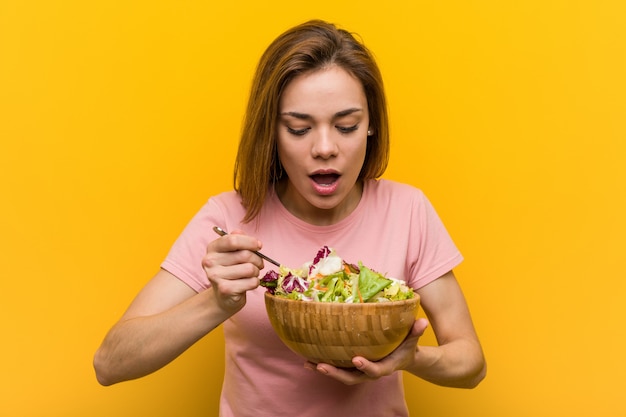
(330, 279)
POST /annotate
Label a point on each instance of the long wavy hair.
(304, 48)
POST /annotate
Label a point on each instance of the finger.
(373, 370)
(419, 327)
(227, 259)
(345, 376)
(398, 359)
(233, 249)
(416, 331)
(229, 272)
(234, 288)
(237, 240)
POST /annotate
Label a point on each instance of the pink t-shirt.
(394, 230)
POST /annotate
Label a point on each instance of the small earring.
(370, 133)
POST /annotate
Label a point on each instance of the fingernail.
(358, 364)
(322, 370)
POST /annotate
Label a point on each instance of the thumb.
(419, 327)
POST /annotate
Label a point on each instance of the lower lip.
(325, 189)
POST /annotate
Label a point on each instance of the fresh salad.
(328, 278)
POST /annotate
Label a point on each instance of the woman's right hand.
(233, 269)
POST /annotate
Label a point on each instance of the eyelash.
(348, 129)
(302, 132)
(297, 132)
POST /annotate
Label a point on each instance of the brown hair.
(307, 47)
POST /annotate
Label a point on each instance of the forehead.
(332, 88)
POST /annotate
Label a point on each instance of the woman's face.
(322, 139)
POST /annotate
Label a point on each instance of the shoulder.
(388, 189)
(385, 185)
(226, 197)
(222, 209)
(228, 202)
(398, 200)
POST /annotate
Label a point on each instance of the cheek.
(288, 149)
(282, 153)
(358, 158)
(286, 156)
(359, 151)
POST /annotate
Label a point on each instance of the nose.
(324, 144)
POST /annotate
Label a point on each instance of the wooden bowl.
(334, 333)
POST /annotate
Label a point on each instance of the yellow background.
(119, 119)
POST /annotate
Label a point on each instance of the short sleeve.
(184, 259)
(433, 252)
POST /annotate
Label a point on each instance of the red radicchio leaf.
(294, 283)
(270, 280)
(321, 254)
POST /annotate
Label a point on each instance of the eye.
(298, 132)
(347, 129)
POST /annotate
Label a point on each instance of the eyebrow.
(304, 116)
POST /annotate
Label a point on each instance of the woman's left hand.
(366, 370)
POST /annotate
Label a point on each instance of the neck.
(312, 214)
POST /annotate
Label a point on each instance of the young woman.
(314, 142)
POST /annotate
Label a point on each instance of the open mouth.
(325, 179)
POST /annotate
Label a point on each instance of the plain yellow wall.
(119, 119)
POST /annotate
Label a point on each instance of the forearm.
(138, 346)
(459, 364)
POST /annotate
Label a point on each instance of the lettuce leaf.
(371, 282)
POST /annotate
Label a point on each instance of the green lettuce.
(370, 282)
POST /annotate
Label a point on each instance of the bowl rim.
(414, 299)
